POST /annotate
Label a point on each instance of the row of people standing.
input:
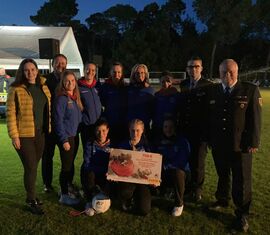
(139, 102)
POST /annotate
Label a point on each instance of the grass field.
(196, 219)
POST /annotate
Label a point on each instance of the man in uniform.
(192, 121)
(234, 135)
(59, 64)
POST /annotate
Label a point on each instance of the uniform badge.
(242, 106)
(260, 101)
(212, 101)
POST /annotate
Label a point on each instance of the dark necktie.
(227, 91)
(192, 85)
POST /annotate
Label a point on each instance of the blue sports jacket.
(91, 104)
(66, 118)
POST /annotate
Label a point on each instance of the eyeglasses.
(193, 66)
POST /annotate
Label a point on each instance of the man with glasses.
(192, 120)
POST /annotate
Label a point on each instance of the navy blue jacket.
(140, 104)
(96, 158)
(165, 104)
(91, 104)
(66, 118)
(175, 152)
(234, 121)
(114, 100)
(141, 146)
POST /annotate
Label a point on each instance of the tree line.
(163, 39)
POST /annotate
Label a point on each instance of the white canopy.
(19, 42)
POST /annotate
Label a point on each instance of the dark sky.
(18, 11)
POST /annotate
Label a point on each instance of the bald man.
(234, 135)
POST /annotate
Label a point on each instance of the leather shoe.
(241, 224)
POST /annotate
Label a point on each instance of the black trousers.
(90, 180)
(67, 164)
(141, 193)
(239, 166)
(30, 153)
(47, 158)
(174, 178)
(197, 165)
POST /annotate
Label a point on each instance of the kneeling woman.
(66, 119)
(95, 164)
(175, 151)
(141, 192)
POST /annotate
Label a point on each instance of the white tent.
(19, 42)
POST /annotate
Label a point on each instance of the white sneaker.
(177, 211)
(66, 199)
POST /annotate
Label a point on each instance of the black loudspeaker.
(48, 48)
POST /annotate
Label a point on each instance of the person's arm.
(256, 119)
(12, 118)
(58, 119)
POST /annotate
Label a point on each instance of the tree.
(224, 20)
(123, 16)
(260, 24)
(56, 13)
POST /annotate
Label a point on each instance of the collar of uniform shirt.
(193, 83)
(231, 87)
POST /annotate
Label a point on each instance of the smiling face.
(102, 133)
(30, 72)
(116, 73)
(69, 83)
(228, 72)
(140, 74)
(90, 72)
(59, 64)
(194, 69)
(135, 132)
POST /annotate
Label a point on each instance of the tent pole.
(50, 65)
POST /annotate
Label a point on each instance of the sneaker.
(127, 205)
(177, 211)
(48, 188)
(34, 207)
(73, 189)
(197, 197)
(39, 202)
(219, 205)
(67, 200)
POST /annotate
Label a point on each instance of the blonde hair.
(136, 122)
(134, 70)
(61, 87)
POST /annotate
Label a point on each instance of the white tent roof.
(19, 42)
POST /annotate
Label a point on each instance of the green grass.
(15, 219)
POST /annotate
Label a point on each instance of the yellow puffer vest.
(20, 117)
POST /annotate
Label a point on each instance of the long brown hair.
(62, 90)
(20, 76)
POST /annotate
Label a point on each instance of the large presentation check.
(134, 167)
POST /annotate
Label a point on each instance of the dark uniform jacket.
(192, 115)
(234, 120)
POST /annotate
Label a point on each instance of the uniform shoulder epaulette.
(249, 83)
